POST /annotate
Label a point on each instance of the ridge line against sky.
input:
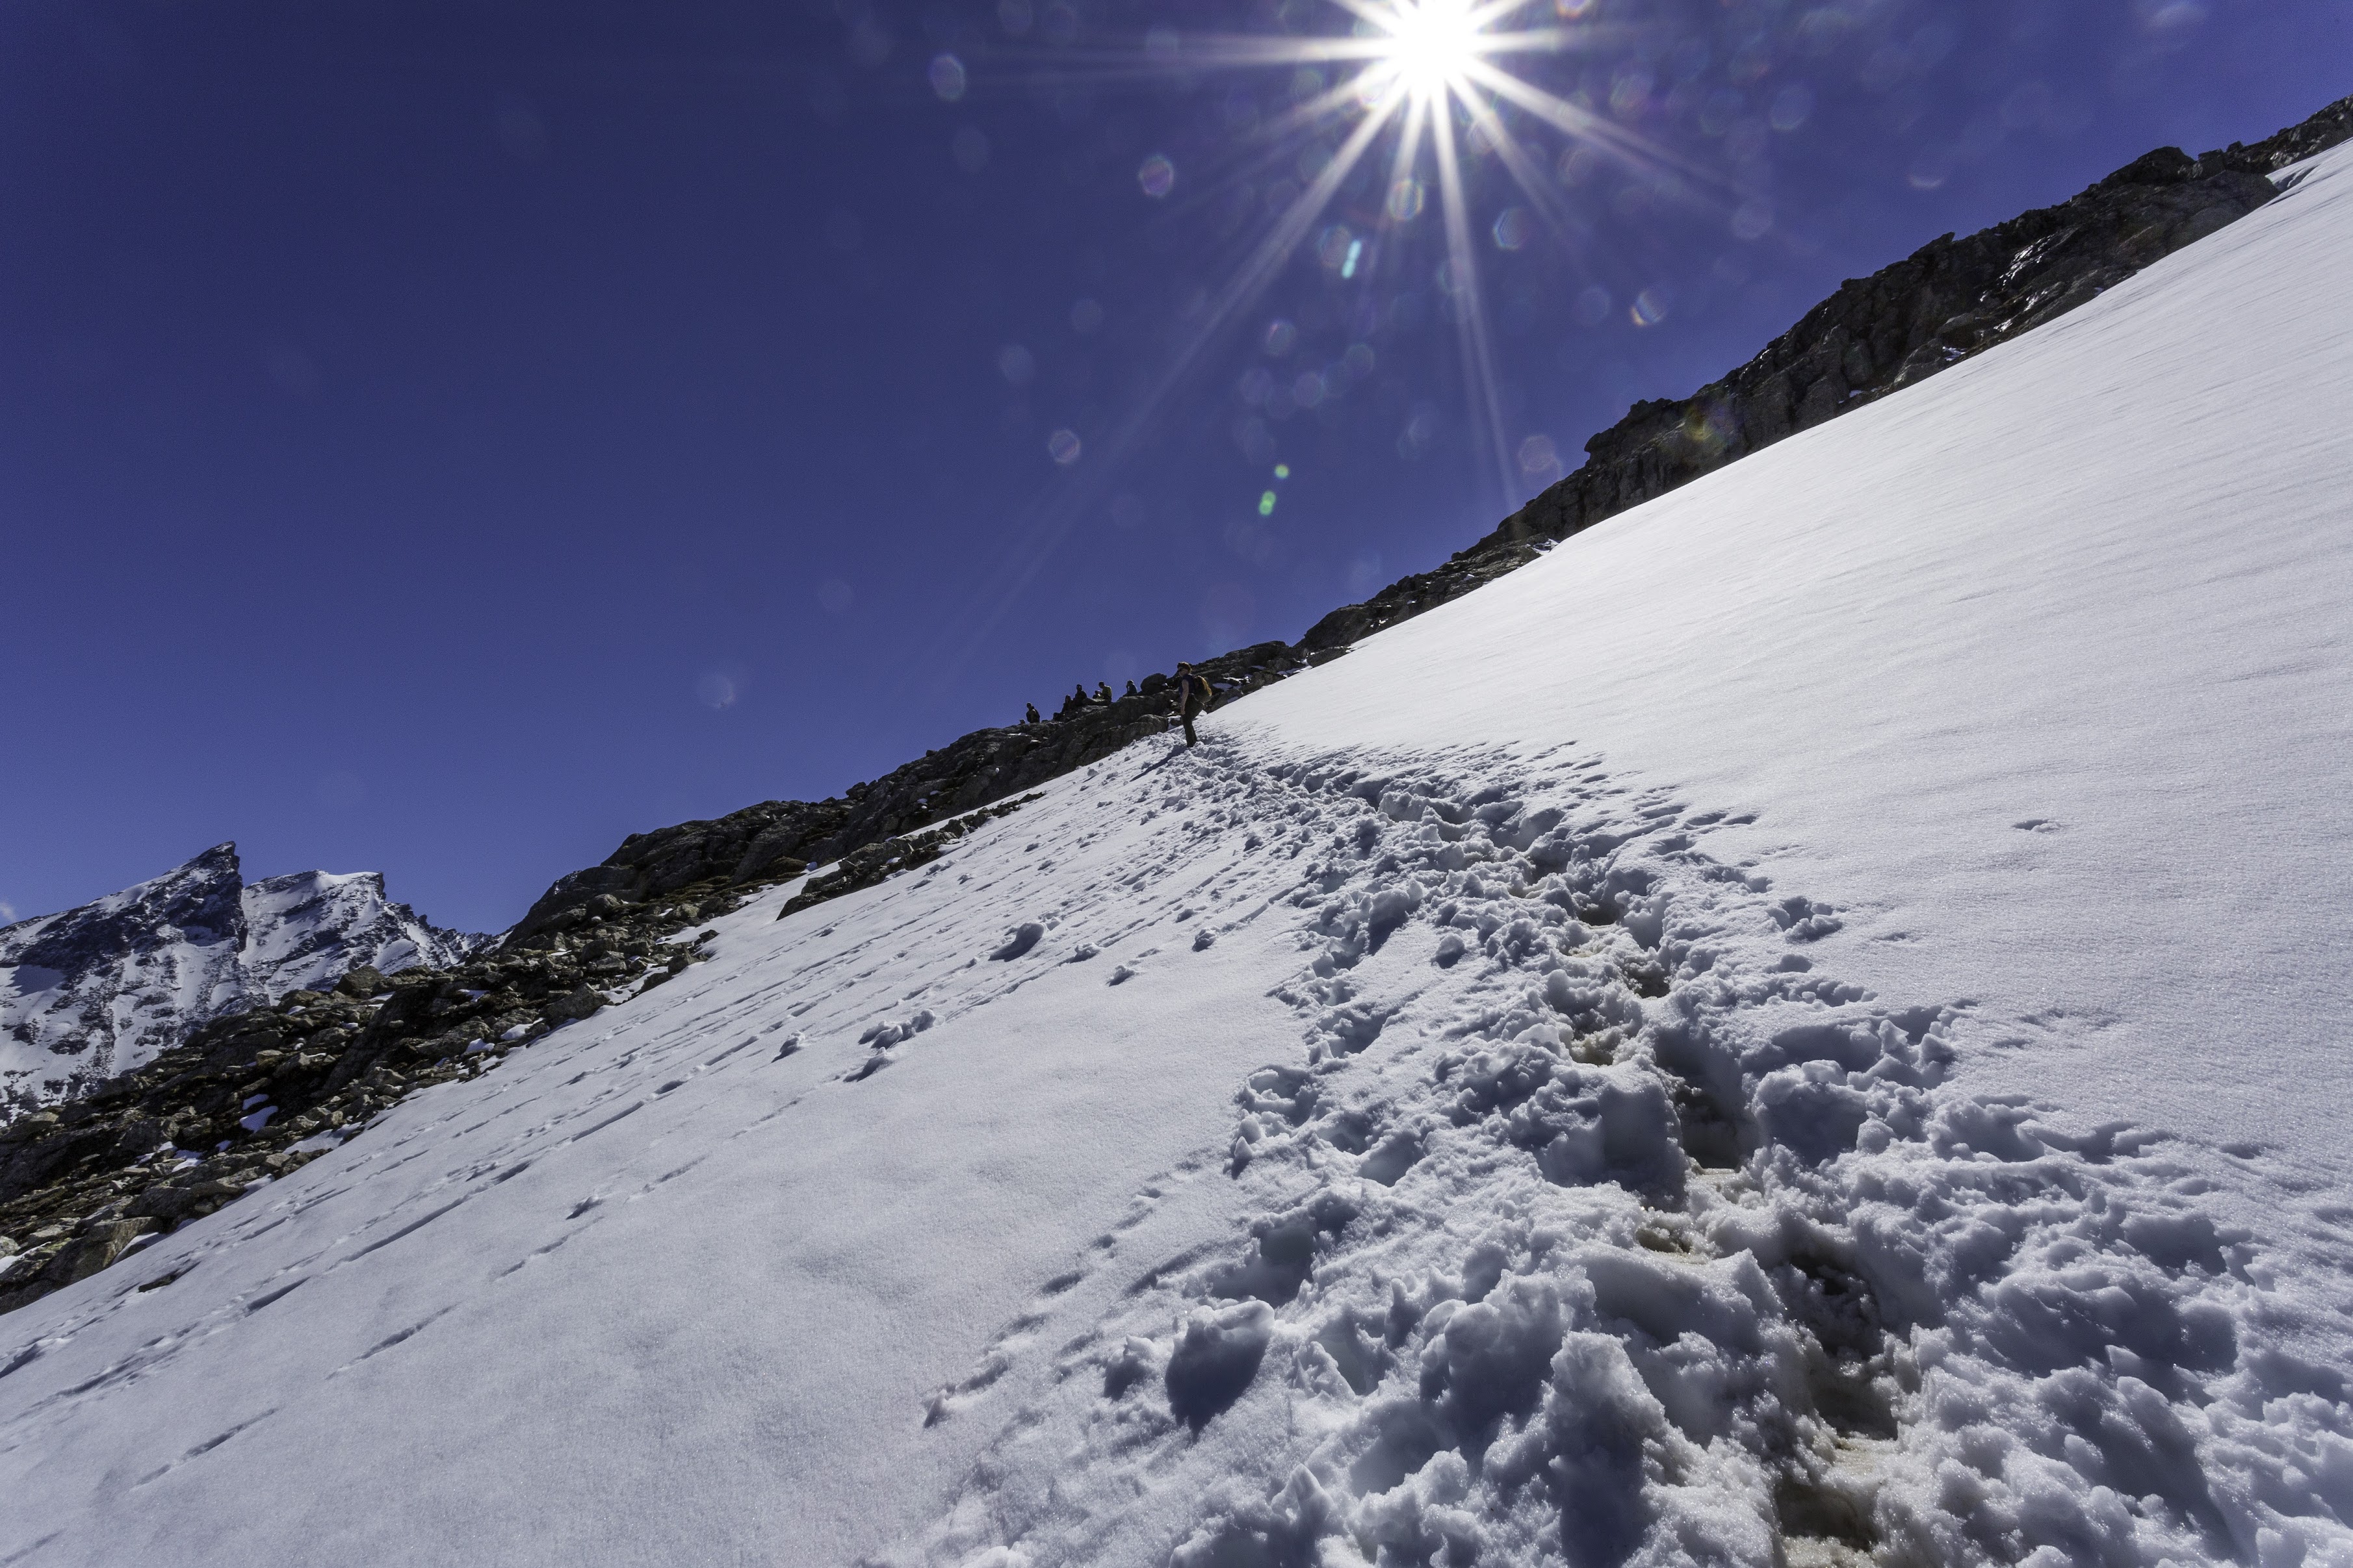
(451, 442)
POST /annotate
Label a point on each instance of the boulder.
(104, 1243)
(363, 982)
(579, 1004)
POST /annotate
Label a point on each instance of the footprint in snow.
(1024, 937)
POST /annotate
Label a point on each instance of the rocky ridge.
(83, 1183)
(749, 845)
(250, 1097)
(1948, 300)
(99, 989)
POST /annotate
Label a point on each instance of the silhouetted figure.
(1030, 716)
(1079, 696)
(1194, 695)
(1131, 689)
(1102, 693)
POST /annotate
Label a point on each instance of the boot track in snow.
(1584, 1235)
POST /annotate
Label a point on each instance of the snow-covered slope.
(1805, 1023)
(309, 929)
(101, 989)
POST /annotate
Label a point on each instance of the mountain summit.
(98, 990)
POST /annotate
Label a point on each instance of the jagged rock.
(103, 1245)
(775, 839)
(1949, 299)
(580, 1004)
(99, 989)
(364, 981)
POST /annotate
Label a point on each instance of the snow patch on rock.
(98, 990)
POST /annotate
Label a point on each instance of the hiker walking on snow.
(1194, 695)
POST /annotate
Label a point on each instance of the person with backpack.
(1194, 695)
(1030, 716)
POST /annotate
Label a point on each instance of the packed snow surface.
(1807, 1025)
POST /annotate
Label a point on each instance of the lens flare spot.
(1266, 504)
(1792, 107)
(715, 690)
(1650, 308)
(1156, 176)
(1063, 447)
(1406, 199)
(947, 77)
(1280, 338)
(1514, 228)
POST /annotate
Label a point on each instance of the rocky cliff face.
(1949, 299)
(98, 990)
(756, 844)
(259, 1091)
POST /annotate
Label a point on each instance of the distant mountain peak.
(95, 991)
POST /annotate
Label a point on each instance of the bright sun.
(1431, 42)
(1432, 77)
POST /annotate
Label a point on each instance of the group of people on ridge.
(1194, 694)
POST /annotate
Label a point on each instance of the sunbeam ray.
(1424, 73)
(1055, 518)
(1470, 315)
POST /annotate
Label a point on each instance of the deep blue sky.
(443, 438)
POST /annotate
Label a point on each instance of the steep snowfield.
(101, 989)
(1805, 1023)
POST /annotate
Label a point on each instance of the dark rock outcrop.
(753, 844)
(1949, 299)
(98, 989)
(253, 1096)
(258, 1094)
